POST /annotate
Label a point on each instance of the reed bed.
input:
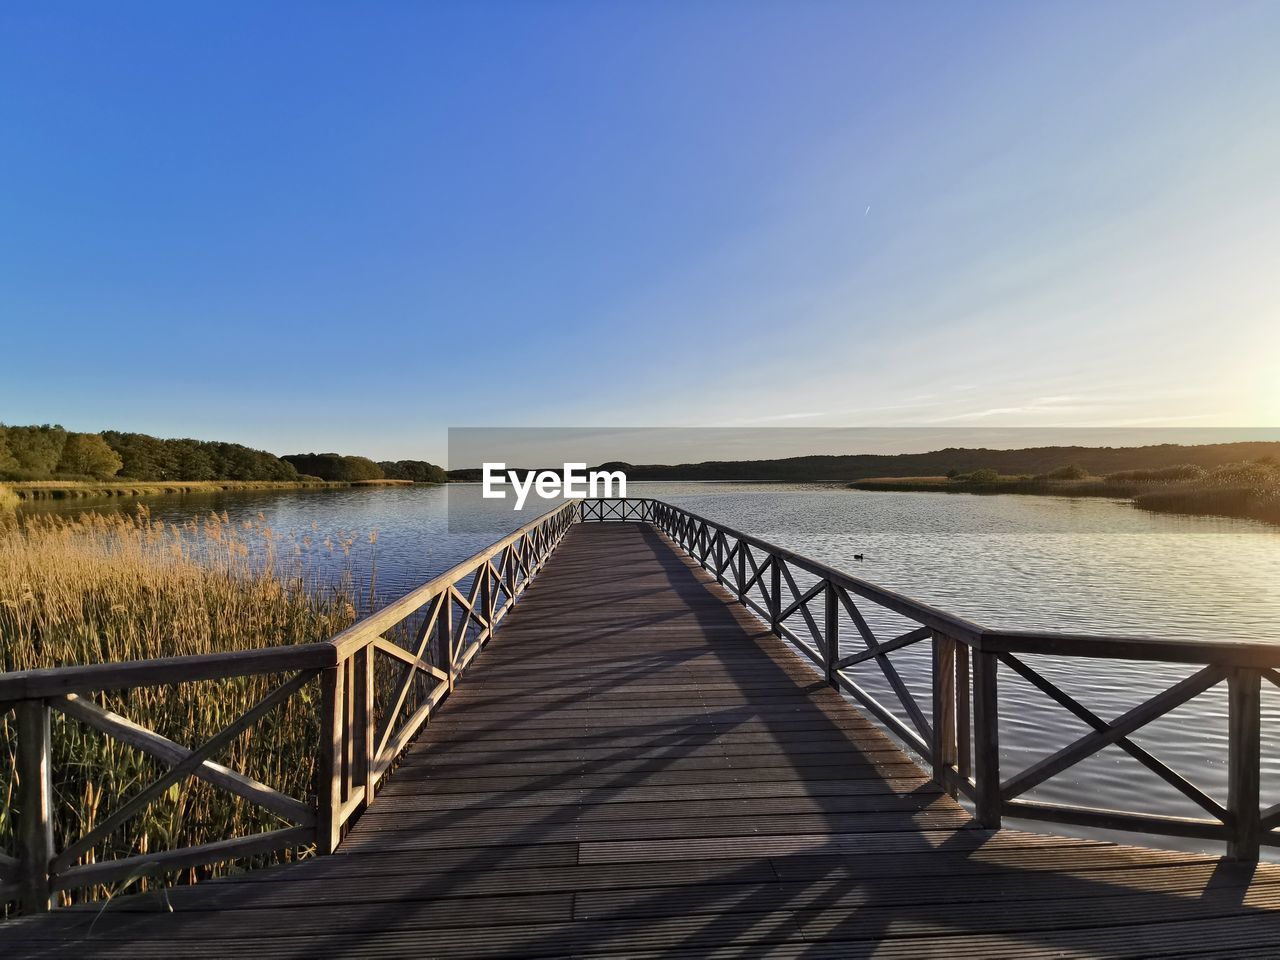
(1250, 490)
(99, 588)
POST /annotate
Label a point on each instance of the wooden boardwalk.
(649, 771)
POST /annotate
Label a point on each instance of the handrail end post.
(329, 769)
(944, 746)
(1244, 761)
(986, 734)
(775, 595)
(363, 725)
(831, 629)
(35, 799)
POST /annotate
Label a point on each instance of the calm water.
(1018, 562)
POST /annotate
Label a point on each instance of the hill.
(1098, 461)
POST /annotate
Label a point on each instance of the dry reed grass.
(99, 588)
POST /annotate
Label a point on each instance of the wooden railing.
(814, 606)
(442, 625)
(445, 623)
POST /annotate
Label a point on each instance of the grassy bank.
(72, 489)
(107, 588)
(1249, 490)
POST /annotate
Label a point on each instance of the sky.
(352, 226)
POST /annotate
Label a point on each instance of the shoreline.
(30, 491)
(1096, 487)
(1229, 502)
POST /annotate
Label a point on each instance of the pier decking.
(637, 765)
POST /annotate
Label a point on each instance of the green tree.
(419, 471)
(7, 463)
(361, 468)
(326, 466)
(144, 457)
(334, 466)
(88, 454)
(36, 450)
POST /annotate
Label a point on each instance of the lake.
(1020, 562)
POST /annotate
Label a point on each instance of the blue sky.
(348, 226)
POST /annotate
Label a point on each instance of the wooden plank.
(151, 743)
(112, 871)
(1115, 820)
(404, 656)
(1121, 727)
(1175, 780)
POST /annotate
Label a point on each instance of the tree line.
(335, 466)
(1093, 461)
(48, 452)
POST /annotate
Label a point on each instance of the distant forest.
(334, 466)
(1098, 461)
(49, 452)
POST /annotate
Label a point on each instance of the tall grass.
(1250, 490)
(100, 588)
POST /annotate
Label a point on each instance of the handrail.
(1250, 653)
(381, 620)
(445, 622)
(959, 737)
(96, 677)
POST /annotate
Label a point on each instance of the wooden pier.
(644, 761)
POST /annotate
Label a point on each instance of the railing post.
(486, 598)
(742, 571)
(35, 792)
(943, 748)
(350, 689)
(964, 715)
(329, 772)
(986, 736)
(1244, 758)
(444, 626)
(362, 724)
(775, 593)
(831, 634)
